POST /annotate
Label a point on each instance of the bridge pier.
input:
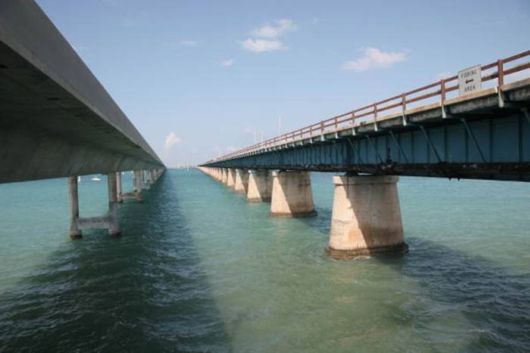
(259, 186)
(119, 187)
(216, 172)
(241, 181)
(292, 195)
(366, 217)
(75, 232)
(224, 176)
(113, 226)
(137, 186)
(230, 178)
(109, 221)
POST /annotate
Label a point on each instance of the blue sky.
(201, 78)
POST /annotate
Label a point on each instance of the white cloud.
(267, 37)
(374, 58)
(188, 43)
(172, 139)
(262, 45)
(275, 30)
(227, 63)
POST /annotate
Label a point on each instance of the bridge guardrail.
(438, 92)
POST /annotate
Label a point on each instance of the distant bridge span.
(429, 131)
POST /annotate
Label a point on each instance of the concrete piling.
(230, 178)
(119, 187)
(259, 186)
(224, 176)
(292, 195)
(75, 232)
(115, 195)
(113, 226)
(366, 216)
(241, 181)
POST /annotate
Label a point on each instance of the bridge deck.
(428, 132)
(56, 119)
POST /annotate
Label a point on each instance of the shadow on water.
(494, 299)
(143, 292)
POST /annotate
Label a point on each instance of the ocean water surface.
(198, 269)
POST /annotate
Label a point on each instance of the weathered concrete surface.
(113, 226)
(75, 232)
(224, 176)
(56, 119)
(259, 186)
(292, 195)
(119, 186)
(230, 178)
(366, 216)
(241, 183)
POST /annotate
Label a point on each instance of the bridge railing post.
(500, 73)
(442, 97)
(375, 117)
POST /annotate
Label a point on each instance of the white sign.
(469, 80)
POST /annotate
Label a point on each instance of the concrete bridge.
(472, 125)
(57, 120)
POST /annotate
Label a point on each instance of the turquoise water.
(198, 269)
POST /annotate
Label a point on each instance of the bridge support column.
(241, 182)
(292, 195)
(259, 186)
(119, 187)
(109, 221)
(75, 232)
(224, 176)
(146, 182)
(137, 185)
(113, 227)
(366, 217)
(218, 174)
(230, 178)
(137, 188)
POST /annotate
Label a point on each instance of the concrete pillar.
(259, 186)
(292, 195)
(119, 187)
(366, 216)
(241, 182)
(135, 180)
(152, 176)
(75, 232)
(230, 178)
(114, 228)
(137, 183)
(224, 176)
(146, 184)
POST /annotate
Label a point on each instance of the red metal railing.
(437, 91)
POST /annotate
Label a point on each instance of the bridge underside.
(56, 119)
(481, 139)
